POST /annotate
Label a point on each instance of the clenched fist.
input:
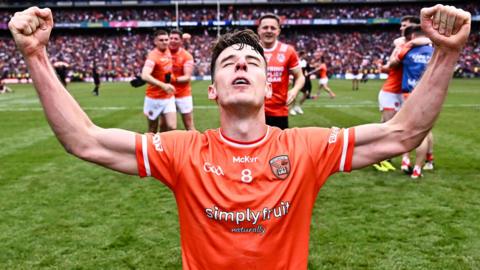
(448, 27)
(31, 29)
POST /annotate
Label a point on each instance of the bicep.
(148, 67)
(114, 149)
(374, 143)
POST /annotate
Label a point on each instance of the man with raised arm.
(245, 191)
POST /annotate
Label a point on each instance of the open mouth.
(240, 81)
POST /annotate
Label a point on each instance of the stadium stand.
(320, 29)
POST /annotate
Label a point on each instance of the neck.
(268, 45)
(244, 126)
(174, 50)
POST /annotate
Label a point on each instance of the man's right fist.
(448, 27)
(31, 29)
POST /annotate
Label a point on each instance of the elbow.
(77, 150)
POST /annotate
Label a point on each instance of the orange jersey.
(280, 60)
(162, 65)
(323, 71)
(245, 205)
(181, 59)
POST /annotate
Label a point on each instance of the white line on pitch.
(210, 107)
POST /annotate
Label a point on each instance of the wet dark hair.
(160, 33)
(176, 32)
(242, 38)
(411, 19)
(413, 29)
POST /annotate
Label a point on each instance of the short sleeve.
(188, 60)
(331, 149)
(293, 60)
(158, 155)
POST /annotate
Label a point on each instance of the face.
(268, 31)
(161, 42)
(175, 42)
(240, 78)
(404, 25)
(186, 37)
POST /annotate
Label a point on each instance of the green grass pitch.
(58, 212)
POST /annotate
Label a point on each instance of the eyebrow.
(249, 56)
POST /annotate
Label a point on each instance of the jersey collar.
(239, 144)
(273, 47)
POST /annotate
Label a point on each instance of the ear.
(212, 92)
(268, 90)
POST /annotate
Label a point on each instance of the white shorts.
(358, 76)
(323, 81)
(184, 104)
(389, 101)
(152, 107)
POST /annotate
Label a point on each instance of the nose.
(241, 64)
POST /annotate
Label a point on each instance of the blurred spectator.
(122, 55)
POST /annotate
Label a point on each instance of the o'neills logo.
(280, 166)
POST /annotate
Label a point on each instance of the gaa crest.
(281, 57)
(280, 166)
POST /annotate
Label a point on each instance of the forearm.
(419, 112)
(151, 80)
(67, 120)
(184, 79)
(298, 83)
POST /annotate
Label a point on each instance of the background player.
(282, 60)
(323, 79)
(157, 72)
(414, 61)
(96, 79)
(307, 86)
(182, 67)
(390, 97)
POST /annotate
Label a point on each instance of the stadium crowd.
(122, 56)
(230, 12)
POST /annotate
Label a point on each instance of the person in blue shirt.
(415, 61)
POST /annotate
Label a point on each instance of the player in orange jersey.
(390, 97)
(159, 105)
(323, 78)
(182, 71)
(245, 191)
(282, 60)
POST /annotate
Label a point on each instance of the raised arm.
(112, 148)
(448, 28)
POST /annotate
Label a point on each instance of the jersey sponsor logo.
(275, 73)
(281, 57)
(333, 135)
(421, 58)
(412, 83)
(210, 168)
(245, 159)
(157, 142)
(280, 166)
